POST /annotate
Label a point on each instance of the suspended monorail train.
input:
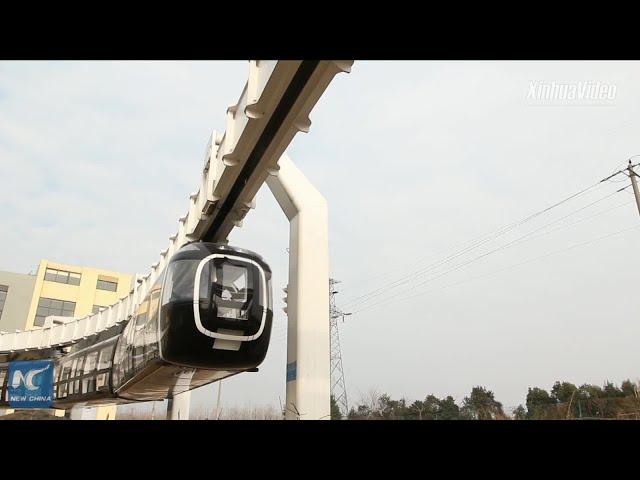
(208, 316)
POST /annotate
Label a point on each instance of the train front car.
(216, 310)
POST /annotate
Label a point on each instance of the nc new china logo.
(27, 380)
(30, 384)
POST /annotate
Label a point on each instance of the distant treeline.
(563, 401)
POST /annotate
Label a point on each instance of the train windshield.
(230, 285)
(229, 292)
(230, 289)
(178, 285)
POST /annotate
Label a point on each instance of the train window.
(231, 291)
(138, 339)
(78, 373)
(74, 363)
(101, 382)
(208, 274)
(179, 282)
(141, 317)
(129, 363)
(3, 296)
(150, 350)
(105, 357)
(66, 369)
(234, 277)
(138, 353)
(151, 329)
(118, 361)
(88, 384)
(90, 364)
(154, 305)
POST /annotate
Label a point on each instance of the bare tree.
(251, 413)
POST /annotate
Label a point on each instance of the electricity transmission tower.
(338, 386)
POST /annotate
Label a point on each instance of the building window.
(107, 285)
(50, 306)
(62, 276)
(3, 296)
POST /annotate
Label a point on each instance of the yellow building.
(73, 291)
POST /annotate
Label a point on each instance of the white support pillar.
(179, 406)
(308, 348)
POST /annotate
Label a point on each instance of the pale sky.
(416, 159)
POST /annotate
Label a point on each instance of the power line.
(403, 280)
(474, 245)
(579, 221)
(457, 267)
(410, 278)
(556, 252)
